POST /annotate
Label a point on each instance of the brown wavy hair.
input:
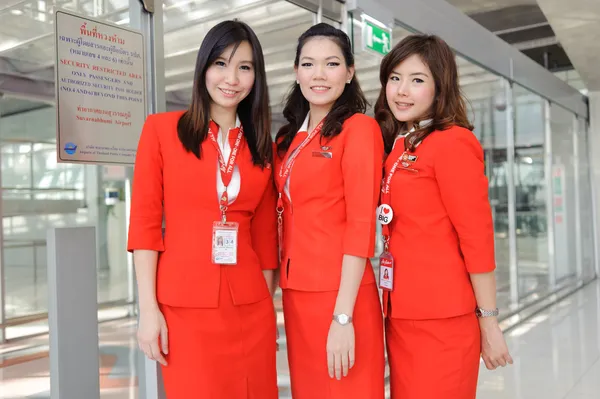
(449, 105)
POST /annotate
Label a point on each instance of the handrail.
(17, 321)
(40, 189)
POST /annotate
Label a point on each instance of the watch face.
(342, 319)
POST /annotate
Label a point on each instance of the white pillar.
(97, 212)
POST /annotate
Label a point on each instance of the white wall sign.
(100, 90)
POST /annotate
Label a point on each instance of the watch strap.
(480, 312)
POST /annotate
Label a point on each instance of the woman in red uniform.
(438, 229)
(328, 178)
(206, 312)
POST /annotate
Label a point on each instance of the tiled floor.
(557, 356)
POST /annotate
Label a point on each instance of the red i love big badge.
(385, 214)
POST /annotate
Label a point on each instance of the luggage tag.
(386, 271)
(225, 243)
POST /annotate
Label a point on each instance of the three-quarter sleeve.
(361, 171)
(263, 229)
(145, 223)
(459, 170)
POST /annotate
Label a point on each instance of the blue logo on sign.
(70, 148)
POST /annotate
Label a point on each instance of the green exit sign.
(376, 38)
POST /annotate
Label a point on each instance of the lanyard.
(386, 195)
(282, 176)
(226, 169)
(288, 163)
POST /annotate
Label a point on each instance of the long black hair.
(351, 101)
(253, 111)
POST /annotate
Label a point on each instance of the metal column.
(345, 20)
(549, 193)
(577, 179)
(510, 182)
(319, 17)
(147, 16)
(2, 274)
(594, 199)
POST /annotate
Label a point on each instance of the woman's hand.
(340, 349)
(152, 329)
(493, 346)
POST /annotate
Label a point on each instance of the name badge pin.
(385, 214)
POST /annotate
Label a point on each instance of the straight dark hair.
(253, 111)
(296, 108)
(449, 106)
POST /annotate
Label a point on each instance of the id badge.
(225, 243)
(386, 271)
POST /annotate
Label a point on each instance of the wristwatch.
(342, 318)
(480, 312)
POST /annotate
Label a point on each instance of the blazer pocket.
(322, 154)
(408, 170)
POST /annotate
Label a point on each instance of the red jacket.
(333, 203)
(442, 228)
(168, 179)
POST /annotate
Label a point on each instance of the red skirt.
(222, 353)
(434, 359)
(307, 321)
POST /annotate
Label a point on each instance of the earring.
(348, 81)
(297, 82)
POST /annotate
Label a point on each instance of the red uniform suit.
(441, 232)
(220, 318)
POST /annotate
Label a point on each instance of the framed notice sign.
(100, 90)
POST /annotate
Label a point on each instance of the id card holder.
(386, 272)
(225, 243)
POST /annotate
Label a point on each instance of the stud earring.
(348, 81)
(297, 82)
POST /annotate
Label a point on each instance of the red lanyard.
(386, 195)
(226, 169)
(282, 176)
(288, 163)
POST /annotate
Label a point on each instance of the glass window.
(585, 201)
(37, 192)
(486, 105)
(530, 192)
(563, 192)
(278, 24)
(368, 62)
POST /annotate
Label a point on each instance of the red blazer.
(169, 180)
(442, 228)
(333, 205)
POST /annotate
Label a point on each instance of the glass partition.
(585, 201)
(485, 93)
(563, 192)
(37, 192)
(278, 24)
(530, 192)
(368, 61)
